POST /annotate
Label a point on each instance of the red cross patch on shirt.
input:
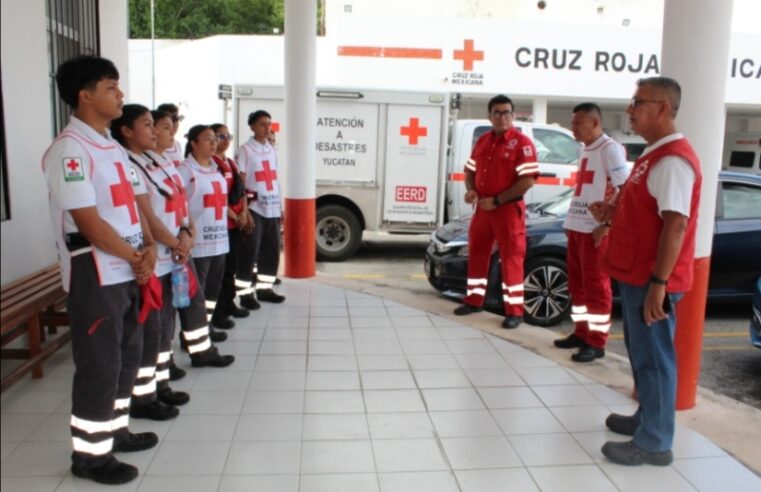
(72, 169)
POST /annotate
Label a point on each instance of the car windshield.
(557, 205)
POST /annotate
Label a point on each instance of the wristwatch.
(657, 280)
(496, 200)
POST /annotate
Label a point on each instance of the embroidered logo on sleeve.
(72, 169)
(527, 152)
(133, 177)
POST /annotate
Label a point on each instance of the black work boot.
(110, 472)
(155, 410)
(249, 302)
(211, 357)
(467, 309)
(269, 295)
(571, 341)
(170, 397)
(129, 442)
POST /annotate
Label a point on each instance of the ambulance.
(742, 152)
(393, 161)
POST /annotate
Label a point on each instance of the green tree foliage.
(191, 19)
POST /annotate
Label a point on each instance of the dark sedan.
(735, 260)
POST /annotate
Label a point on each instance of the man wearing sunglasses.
(175, 154)
(501, 169)
(650, 253)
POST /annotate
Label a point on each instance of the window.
(742, 159)
(72, 31)
(555, 147)
(741, 201)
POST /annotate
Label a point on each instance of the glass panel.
(555, 147)
(741, 201)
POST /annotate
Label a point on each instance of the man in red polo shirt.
(501, 169)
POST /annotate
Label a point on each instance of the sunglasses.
(177, 118)
(224, 136)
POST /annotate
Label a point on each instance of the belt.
(516, 199)
(76, 241)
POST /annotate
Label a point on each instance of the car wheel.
(545, 291)
(339, 233)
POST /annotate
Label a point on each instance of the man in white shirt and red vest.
(501, 169)
(650, 253)
(602, 170)
(105, 251)
(257, 159)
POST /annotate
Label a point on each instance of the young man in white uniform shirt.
(258, 159)
(105, 251)
(175, 153)
(602, 170)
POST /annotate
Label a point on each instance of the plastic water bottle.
(180, 287)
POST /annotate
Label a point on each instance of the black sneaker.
(211, 357)
(629, 454)
(224, 323)
(587, 353)
(249, 302)
(175, 373)
(155, 410)
(571, 341)
(138, 441)
(464, 309)
(170, 397)
(237, 312)
(112, 472)
(269, 295)
(511, 322)
(622, 424)
(217, 336)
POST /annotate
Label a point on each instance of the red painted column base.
(688, 339)
(299, 237)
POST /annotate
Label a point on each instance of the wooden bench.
(27, 306)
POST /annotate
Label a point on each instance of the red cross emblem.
(122, 194)
(177, 204)
(73, 165)
(468, 55)
(216, 200)
(583, 177)
(414, 131)
(268, 175)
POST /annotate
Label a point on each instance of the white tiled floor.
(341, 391)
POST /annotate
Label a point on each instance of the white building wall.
(27, 239)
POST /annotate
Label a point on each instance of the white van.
(742, 152)
(393, 161)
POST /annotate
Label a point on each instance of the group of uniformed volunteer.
(147, 232)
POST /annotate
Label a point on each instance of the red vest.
(636, 227)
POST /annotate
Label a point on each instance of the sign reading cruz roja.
(472, 55)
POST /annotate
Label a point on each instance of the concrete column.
(300, 117)
(699, 63)
(539, 110)
(114, 20)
